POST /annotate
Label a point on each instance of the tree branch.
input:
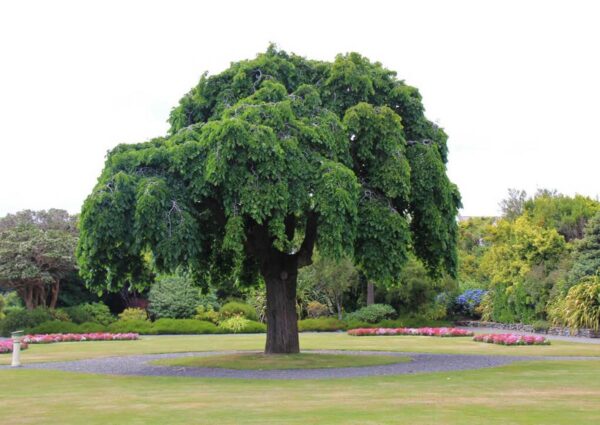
(310, 237)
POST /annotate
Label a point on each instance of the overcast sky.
(516, 84)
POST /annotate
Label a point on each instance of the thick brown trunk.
(55, 289)
(282, 321)
(370, 293)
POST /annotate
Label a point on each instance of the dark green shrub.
(183, 326)
(24, 319)
(94, 313)
(541, 325)
(236, 308)
(173, 297)
(54, 327)
(132, 326)
(321, 324)
(373, 313)
(89, 327)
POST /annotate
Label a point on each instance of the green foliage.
(587, 252)
(581, 306)
(235, 308)
(90, 327)
(541, 325)
(54, 327)
(567, 215)
(144, 327)
(183, 326)
(271, 153)
(373, 313)
(24, 319)
(207, 314)
(133, 314)
(2, 305)
(315, 309)
(234, 324)
(321, 324)
(95, 313)
(173, 297)
(36, 252)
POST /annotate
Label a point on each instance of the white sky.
(516, 84)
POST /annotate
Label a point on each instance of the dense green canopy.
(278, 141)
(267, 160)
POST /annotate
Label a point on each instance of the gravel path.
(421, 363)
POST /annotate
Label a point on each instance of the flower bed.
(7, 346)
(512, 339)
(100, 336)
(443, 332)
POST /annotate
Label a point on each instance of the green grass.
(260, 361)
(308, 341)
(566, 392)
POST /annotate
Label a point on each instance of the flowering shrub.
(100, 336)
(443, 332)
(467, 302)
(7, 346)
(512, 339)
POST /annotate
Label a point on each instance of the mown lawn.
(527, 393)
(548, 392)
(308, 341)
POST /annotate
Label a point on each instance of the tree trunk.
(370, 293)
(282, 321)
(338, 305)
(55, 289)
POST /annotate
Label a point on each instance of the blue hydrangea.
(469, 300)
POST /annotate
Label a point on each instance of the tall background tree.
(37, 250)
(266, 161)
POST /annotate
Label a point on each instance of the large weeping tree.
(263, 163)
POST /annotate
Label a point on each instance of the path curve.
(140, 365)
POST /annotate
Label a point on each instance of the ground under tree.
(266, 161)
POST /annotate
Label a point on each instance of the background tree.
(37, 251)
(267, 160)
(587, 253)
(513, 206)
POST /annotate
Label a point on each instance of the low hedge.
(322, 324)
(183, 326)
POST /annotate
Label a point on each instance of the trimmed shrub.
(90, 328)
(143, 327)
(315, 309)
(94, 313)
(183, 326)
(373, 313)
(236, 308)
(54, 327)
(24, 319)
(322, 324)
(253, 327)
(173, 297)
(133, 314)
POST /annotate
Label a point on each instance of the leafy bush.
(24, 319)
(95, 313)
(207, 314)
(143, 327)
(90, 327)
(234, 324)
(236, 308)
(54, 327)
(253, 327)
(133, 314)
(315, 309)
(581, 307)
(467, 303)
(173, 297)
(2, 304)
(373, 313)
(183, 326)
(321, 324)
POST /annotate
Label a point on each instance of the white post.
(16, 353)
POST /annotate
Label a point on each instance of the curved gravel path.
(140, 365)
